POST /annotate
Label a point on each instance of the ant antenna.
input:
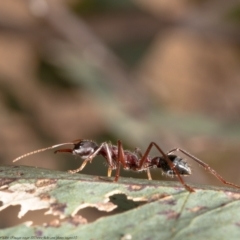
(41, 150)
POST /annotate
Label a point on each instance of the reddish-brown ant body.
(116, 156)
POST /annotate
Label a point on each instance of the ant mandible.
(116, 156)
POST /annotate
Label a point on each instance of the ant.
(170, 164)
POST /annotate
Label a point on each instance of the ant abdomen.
(181, 166)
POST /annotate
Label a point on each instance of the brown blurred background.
(139, 71)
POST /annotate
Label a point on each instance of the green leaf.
(151, 209)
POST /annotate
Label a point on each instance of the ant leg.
(139, 153)
(120, 160)
(109, 160)
(174, 150)
(117, 172)
(121, 155)
(89, 159)
(205, 166)
(109, 157)
(149, 174)
(109, 172)
(144, 158)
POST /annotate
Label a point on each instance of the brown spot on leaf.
(19, 174)
(45, 182)
(233, 195)
(197, 208)
(6, 181)
(135, 187)
(77, 220)
(38, 233)
(170, 214)
(158, 196)
(237, 224)
(171, 202)
(126, 237)
(44, 197)
(31, 191)
(58, 208)
(54, 223)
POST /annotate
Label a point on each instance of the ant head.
(84, 148)
(180, 165)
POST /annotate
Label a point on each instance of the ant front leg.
(139, 153)
(205, 166)
(90, 158)
(169, 162)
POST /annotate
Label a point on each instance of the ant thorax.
(132, 161)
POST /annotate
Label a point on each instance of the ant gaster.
(116, 156)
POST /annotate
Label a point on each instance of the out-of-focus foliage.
(234, 14)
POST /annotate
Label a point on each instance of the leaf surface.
(167, 210)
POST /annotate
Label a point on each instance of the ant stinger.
(116, 156)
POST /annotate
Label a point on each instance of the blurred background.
(139, 71)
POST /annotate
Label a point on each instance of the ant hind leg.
(205, 166)
(168, 161)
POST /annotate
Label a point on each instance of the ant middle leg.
(109, 174)
(169, 162)
(117, 172)
(120, 159)
(149, 174)
(205, 166)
